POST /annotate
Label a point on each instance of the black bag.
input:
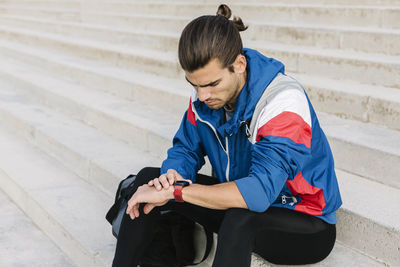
(116, 212)
(173, 228)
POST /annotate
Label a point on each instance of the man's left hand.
(167, 179)
(151, 196)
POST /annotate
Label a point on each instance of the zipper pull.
(248, 134)
(294, 201)
(284, 200)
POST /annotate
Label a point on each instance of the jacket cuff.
(253, 193)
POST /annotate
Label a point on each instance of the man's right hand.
(166, 180)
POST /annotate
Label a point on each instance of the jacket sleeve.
(282, 148)
(186, 155)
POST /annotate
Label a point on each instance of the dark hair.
(209, 37)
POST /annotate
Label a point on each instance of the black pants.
(279, 235)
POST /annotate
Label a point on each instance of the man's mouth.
(211, 103)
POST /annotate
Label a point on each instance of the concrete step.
(133, 58)
(88, 152)
(364, 148)
(175, 24)
(305, 2)
(338, 15)
(139, 38)
(369, 68)
(380, 226)
(44, 12)
(68, 209)
(370, 209)
(43, 3)
(327, 14)
(368, 40)
(354, 143)
(344, 38)
(148, 128)
(62, 3)
(349, 99)
(353, 100)
(37, 123)
(52, 196)
(146, 88)
(21, 240)
(152, 129)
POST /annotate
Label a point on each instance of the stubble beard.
(234, 96)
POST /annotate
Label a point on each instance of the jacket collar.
(261, 71)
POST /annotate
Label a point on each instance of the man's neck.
(231, 106)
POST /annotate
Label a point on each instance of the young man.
(274, 189)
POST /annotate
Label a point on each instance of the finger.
(129, 212)
(131, 215)
(171, 176)
(171, 179)
(128, 209)
(172, 172)
(177, 176)
(164, 181)
(150, 183)
(157, 184)
(136, 210)
(148, 207)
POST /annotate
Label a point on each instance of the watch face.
(182, 183)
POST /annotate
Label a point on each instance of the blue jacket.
(272, 146)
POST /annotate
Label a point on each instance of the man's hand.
(167, 179)
(151, 196)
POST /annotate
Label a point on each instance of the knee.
(236, 233)
(236, 221)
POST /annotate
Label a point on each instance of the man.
(274, 189)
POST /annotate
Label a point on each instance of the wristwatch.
(178, 185)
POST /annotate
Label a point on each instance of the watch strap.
(178, 193)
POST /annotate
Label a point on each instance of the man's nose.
(204, 93)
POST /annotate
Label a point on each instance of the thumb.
(179, 177)
(187, 180)
(148, 207)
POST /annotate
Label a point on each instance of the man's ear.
(240, 64)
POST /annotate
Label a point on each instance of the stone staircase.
(91, 91)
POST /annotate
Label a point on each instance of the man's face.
(216, 86)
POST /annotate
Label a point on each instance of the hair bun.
(225, 11)
(239, 24)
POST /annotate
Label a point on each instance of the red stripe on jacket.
(287, 124)
(190, 114)
(312, 198)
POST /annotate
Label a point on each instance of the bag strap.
(113, 211)
(210, 241)
(120, 185)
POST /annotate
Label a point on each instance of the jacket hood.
(261, 70)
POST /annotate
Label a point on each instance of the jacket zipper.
(227, 153)
(284, 200)
(219, 141)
